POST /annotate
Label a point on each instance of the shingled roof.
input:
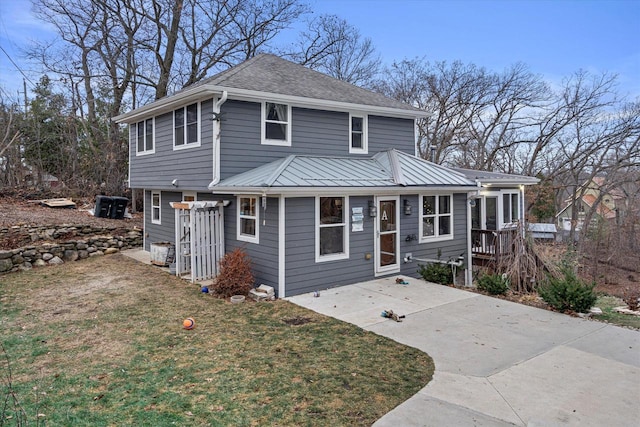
(269, 77)
(272, 74)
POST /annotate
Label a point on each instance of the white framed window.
(436, 218)
(247, 225)
(510, 207)
(276, 124)
(156, 201)
(144, 136)
(358, 125)
(332, 228)
(186, 127)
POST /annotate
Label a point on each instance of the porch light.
(373, 211)
(407, 207)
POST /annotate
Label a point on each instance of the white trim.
(205, 91)
(365, 133)
(436, 216)
(281, 247)
(245, 237)
(345, 224)
(263, 122)
(187, 144)
(324, 104)
(159, 207)
(468, 277)
(380, 270)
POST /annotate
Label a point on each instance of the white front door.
(387, 231)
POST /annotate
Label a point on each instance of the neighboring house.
(316, 179)
(589, 195)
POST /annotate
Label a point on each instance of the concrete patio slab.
(498, 363)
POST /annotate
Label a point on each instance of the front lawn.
(100, 342)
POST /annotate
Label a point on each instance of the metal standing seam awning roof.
(389, 169)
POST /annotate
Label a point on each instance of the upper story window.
(186, 127)
(510, 207)
(155, 207)
(436, 218)
(248, 219)
(276, 124)
(144, 136)
(332, 233)
(358, 134)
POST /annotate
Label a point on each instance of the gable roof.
(269, 77)
(391, 169)
(497, 178)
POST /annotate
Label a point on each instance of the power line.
(17, 67)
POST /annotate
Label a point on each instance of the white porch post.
(468, 278)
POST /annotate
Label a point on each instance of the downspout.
(468, 280)
(216, 137)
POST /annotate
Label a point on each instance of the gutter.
(347, 191)
(167, 104)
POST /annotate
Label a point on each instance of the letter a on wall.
(384, 216)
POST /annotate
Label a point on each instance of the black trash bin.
(103, 206)
(118, 207)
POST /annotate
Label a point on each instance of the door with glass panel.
(387, 229)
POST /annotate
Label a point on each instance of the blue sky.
(555, 38)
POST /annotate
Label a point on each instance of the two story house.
(316, 179)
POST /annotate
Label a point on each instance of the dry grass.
(100, 342)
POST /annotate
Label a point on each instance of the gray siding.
(388, 132)
(264, 256)
(164, 232)
(303, 274)
(313, 132)
(192, 167)
(450, 249)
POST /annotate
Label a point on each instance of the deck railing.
(492, 245)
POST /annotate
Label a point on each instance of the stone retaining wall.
(92, 241)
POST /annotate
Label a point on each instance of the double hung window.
(186, 126)
(358, 134)
(332, 234)
(248, 219)
(156, 200)
(436, 218)
(276, 126)
(144, 136)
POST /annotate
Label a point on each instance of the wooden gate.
(199, 238)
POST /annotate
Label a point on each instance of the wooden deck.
(491, 246)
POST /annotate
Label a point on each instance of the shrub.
(436, 273)
(568, 292)
(494, 284)
(631, 298)
(235, 276)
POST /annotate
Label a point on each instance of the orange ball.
(188, 323)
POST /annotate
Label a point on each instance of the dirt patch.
(19, 211)
(298, 320)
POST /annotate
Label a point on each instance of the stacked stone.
(58, 253)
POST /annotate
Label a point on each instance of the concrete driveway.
(497, 363)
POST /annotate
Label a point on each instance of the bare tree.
(118, 53)
(332, 46)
